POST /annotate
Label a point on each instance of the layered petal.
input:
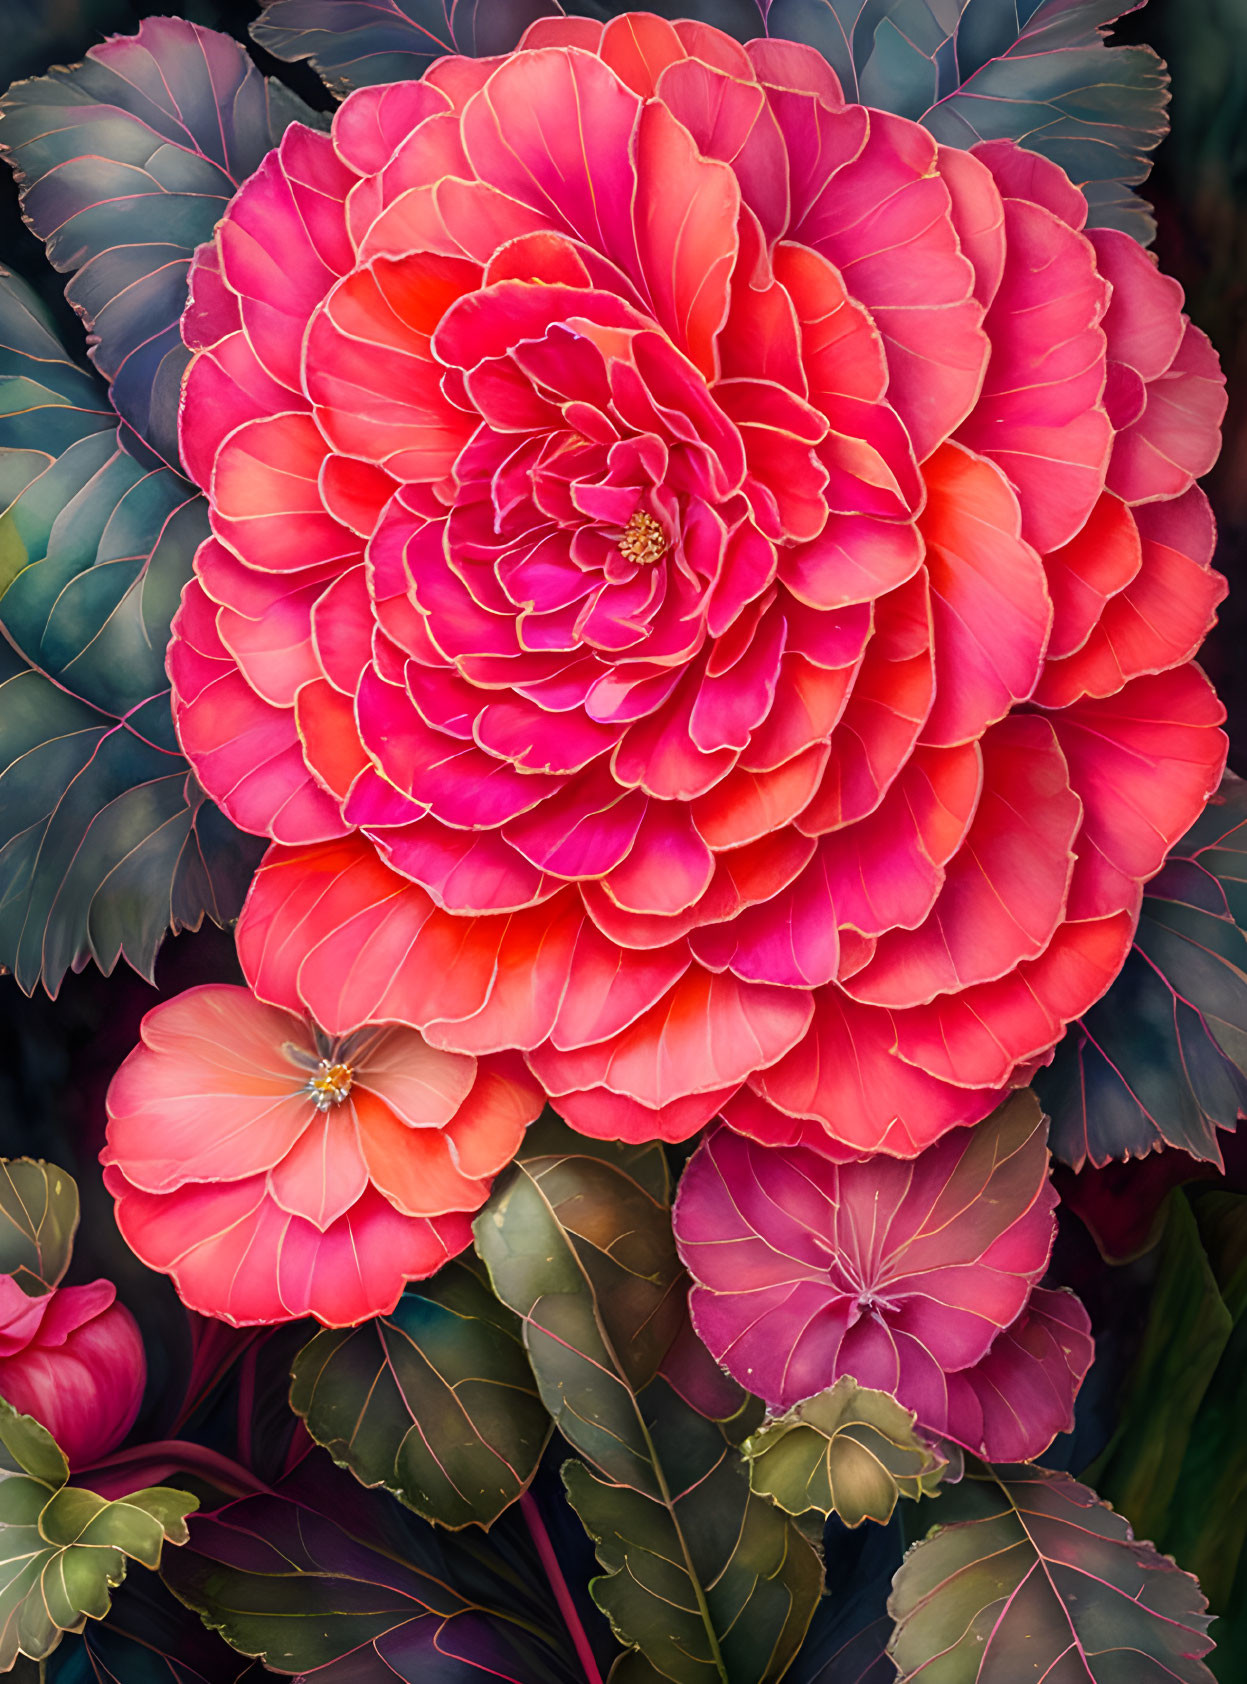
(898, 1274)
(701, 594)
(276, 1172)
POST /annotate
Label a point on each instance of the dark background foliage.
(56, 1057)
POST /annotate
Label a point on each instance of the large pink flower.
(916, 1278)
(275, 1173)
(717, 566)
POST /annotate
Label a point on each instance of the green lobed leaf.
(707, 1580)
(436, 1401)
(850, 1451)
(125, 163)
(1030, 1570)
(63, 1549)
(38, 1219)
(106, 839)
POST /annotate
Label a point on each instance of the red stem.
(246, 1402)
(562, 1595)
(181, 1454)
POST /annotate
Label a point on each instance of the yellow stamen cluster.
(330, 1085)
(643, 541)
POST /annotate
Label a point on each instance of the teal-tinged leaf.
(1038, 72)
(435, 1402)
(106, 840)
(1028, 1570)
(1162, 1058)
(707, 1580)
(356, 43)
(125, 164)
(63, 1549)
(38, 1219)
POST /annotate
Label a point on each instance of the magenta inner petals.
(659, 508)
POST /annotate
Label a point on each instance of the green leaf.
(1176, 1465)
(106, 840)
(709, 1581)
(38, 1218)
(1030, 1574)
(633, 1668)
(1187, 1332)
(582, 1250)
(850, 1451)
(435, 1402)
(125, 164)
(149, 1637)
(62, 1549)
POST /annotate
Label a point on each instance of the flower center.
(330, 1085)
(643, 541)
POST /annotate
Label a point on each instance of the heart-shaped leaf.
(38, 1218)
(707, 1580)
(435, 1402)
(125, 163)
(1027, 1566)
(106, 840)
(849, 1451)
(62, 1549)
(327, 1580)
(1162, 1059)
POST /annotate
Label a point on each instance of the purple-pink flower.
(917, 1278)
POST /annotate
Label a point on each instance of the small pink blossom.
(73, 1359)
